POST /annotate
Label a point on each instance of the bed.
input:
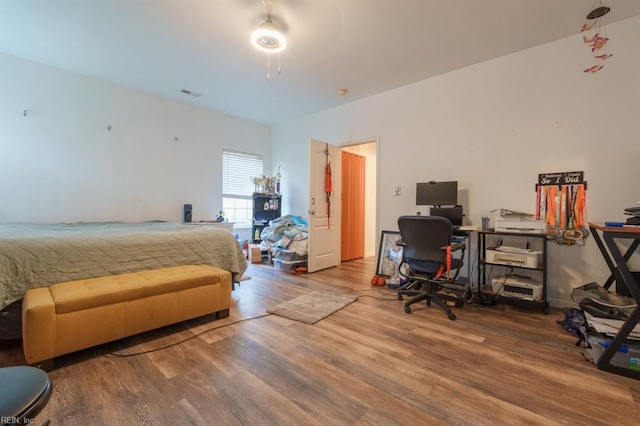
(40, 255)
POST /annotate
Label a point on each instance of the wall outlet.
(397, 191)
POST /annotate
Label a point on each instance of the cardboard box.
(254, 253)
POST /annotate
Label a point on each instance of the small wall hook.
(24, 113)
(109, 127)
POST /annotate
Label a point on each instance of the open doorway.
(359, 200)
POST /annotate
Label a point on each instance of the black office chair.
(428, 262)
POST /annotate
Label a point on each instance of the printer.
(513, 221)
(518, 287)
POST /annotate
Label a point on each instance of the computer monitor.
(437, 193)
(454, 214)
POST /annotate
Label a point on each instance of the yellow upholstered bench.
(75, 315)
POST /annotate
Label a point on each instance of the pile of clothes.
(287, 238)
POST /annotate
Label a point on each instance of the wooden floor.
(369, 363)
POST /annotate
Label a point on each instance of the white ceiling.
(366, 46)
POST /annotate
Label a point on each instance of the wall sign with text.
(561, 203)
(562, 178)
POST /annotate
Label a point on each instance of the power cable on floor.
(117, 355)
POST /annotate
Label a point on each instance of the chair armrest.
(455, 247)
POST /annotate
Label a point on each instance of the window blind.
(238, 169)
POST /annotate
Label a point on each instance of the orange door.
(352, 214)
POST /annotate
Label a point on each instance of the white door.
(324, 230)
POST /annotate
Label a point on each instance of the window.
(238, 169)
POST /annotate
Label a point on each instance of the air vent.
(190, 93)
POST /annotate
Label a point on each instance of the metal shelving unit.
(540, 268)
(266, 207)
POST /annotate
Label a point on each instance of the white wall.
(494, 127)
(60, 163)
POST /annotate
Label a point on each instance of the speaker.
(187, 213)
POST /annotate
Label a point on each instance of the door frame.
(372, 232)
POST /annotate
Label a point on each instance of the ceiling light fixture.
(269, 38)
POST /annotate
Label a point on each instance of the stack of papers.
(600, 295)
(610, 327)
(633, 211)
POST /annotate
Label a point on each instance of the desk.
(464, 232)
(616, 260)
(461, 234)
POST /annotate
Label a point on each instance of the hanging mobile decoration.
(596, 37)
(561, 203)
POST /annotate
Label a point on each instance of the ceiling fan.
(269, 38)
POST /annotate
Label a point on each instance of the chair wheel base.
(407, 310)
(451, 316)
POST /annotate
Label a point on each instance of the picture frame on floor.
(389, 254)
